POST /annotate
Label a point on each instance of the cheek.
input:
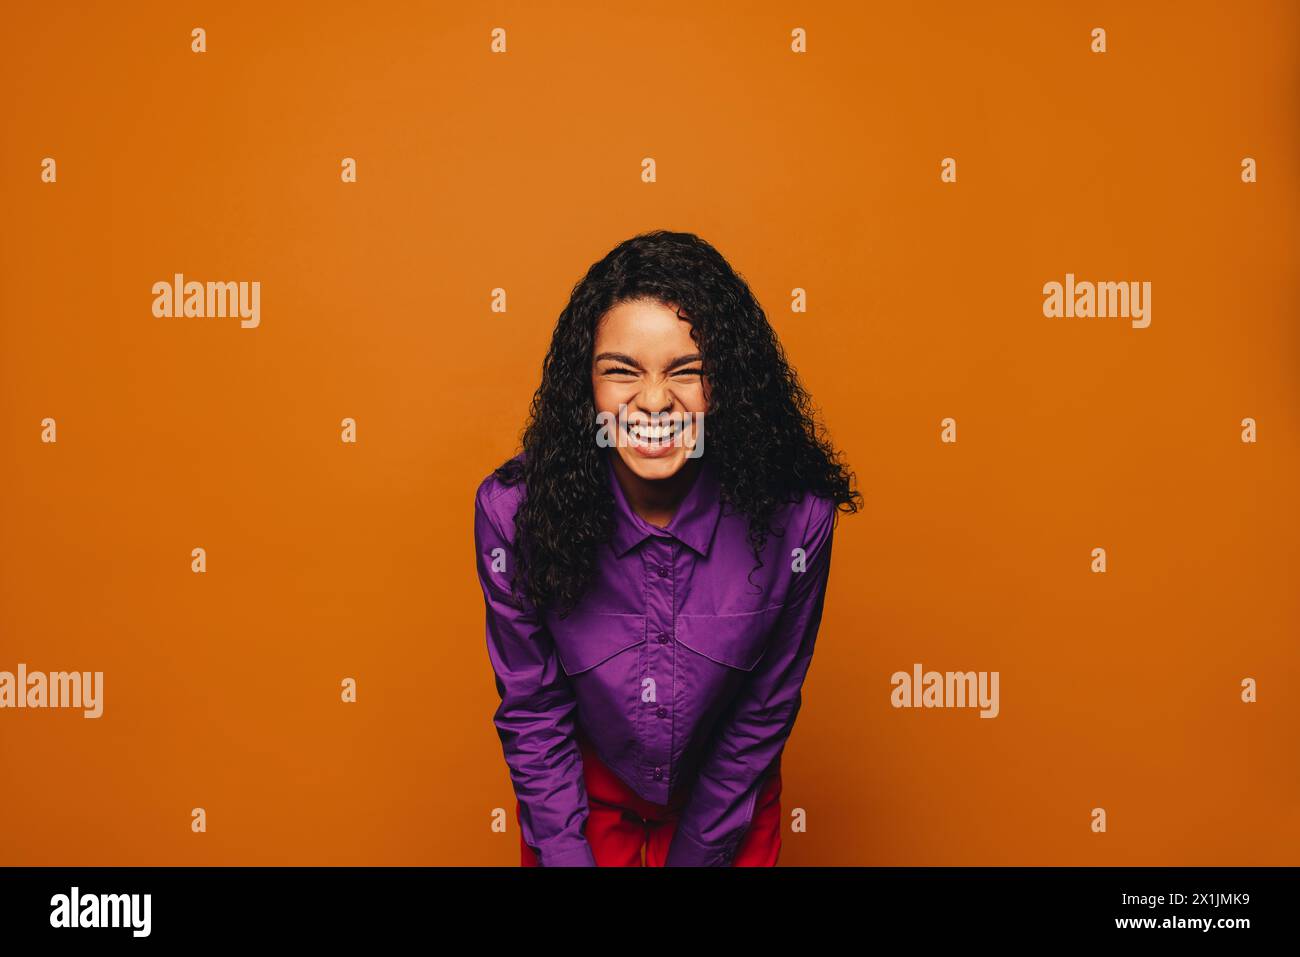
(605, 396)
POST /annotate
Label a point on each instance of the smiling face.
(645, 359)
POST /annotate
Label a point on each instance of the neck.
(656, 500)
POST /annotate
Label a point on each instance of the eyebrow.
(628, 360)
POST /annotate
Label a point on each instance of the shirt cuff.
(686, 851)
(568, 855)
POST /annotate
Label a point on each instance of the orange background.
(818, 171)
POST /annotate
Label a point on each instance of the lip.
(652, 450)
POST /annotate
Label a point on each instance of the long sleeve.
(752, 732)
(535, 720)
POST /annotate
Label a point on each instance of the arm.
(754, 729)
(535, 720)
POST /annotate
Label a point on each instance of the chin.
(653, 469)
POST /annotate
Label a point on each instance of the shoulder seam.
(496, 487)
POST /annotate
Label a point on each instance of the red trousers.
(624, 830)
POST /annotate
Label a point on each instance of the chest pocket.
(587, 639)
(737, 641)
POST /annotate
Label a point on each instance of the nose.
(656, 398)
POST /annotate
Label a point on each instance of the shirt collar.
(693, 524)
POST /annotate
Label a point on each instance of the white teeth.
(655, 433)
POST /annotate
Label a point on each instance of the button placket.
(657, 750)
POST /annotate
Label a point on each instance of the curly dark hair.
(568, 506)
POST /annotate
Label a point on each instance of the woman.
(653, 587)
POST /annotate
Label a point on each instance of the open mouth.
(662, 436)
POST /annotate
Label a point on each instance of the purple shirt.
(675, 667)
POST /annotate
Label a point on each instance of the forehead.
(646, 327)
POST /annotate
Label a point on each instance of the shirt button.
(659, 773)
(662, 712)
(663, 639)
(663, 571)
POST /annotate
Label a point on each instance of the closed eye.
(619, 370)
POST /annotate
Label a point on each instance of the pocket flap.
(583, 641)
(737, 641)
